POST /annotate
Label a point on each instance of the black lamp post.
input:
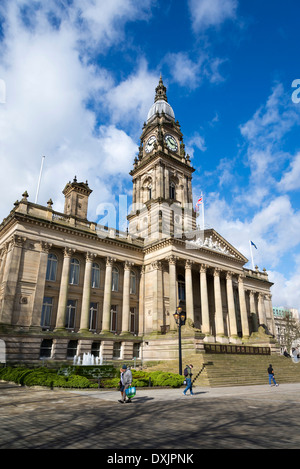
(180, 317)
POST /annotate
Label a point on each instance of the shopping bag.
(130, 392)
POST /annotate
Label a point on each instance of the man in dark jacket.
(188, 378)
(271, 376)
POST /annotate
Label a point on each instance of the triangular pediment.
(213, 241)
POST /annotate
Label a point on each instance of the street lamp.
(180, 317)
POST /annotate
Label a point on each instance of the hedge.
(43, 377)
(71, 379)
(143, 379)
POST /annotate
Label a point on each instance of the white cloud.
(190, 73)
(264, 136)
(48, 84)
(211, 13)
(131, 99)
(285, 291)
(291, 178)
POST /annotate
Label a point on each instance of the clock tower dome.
(162, 201)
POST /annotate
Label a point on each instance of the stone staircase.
(235, 370)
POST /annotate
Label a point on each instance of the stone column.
(40, 285)
(63, 291)
(158, 306)
(231, 308)
(107, 295)
(218, 304)
(3, 260)
(160, 186)
(134, 193)
(10, 278)
(141, 300)
(204, 300)
(243, 308)
(253, 310)
(172, 291)
(154, 183)
(86, 294)
(126, 297)
(271, 316)
(167, 184)
(261, 310)
(189, 300)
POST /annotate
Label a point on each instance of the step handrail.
(203, 366)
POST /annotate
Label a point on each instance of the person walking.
(126, 380)
(271, 376)
(188, 377)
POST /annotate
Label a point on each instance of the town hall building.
(70, 286)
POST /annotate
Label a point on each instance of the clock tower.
(162, 200)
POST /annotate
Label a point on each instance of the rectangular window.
(70, 314)
(132, 283)
(113, 318)
(115, 279)
(74, 272)
(93, 316)
(132, 320)
(46, 348)
(136, 350)
(46, 311)
(95, 280)
(117, 350)
(72, 348)
(51, 267)
(96, 349)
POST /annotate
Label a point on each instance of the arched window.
(95, 281)
(74, 272)
(132, 282)
(181, 288)
(149, 192)
(51, 267)
(115, 279)
(172, 191)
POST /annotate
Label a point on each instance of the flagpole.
(202, 211)
(251, 255)
(39, 182)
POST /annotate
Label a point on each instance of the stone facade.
(69, 286)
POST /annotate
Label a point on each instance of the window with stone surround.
(115, 279)
(71, 314)
(51, 268)
(46, 348)
(74, 272)
(95, 281)
(46, 312)
(93, 316)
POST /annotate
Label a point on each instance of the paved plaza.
(252, 417)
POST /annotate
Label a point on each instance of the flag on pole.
(199, 202)
(253, 244)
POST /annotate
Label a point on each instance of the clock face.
(150, 144)
(171, 142)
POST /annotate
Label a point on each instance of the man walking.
(126, 380)
(188, 377)
(271, 376)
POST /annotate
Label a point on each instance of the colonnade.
(258, 304)
(9, 273)
(257, 308)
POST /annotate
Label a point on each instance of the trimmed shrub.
(70, 378)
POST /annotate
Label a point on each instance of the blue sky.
(77, 78)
